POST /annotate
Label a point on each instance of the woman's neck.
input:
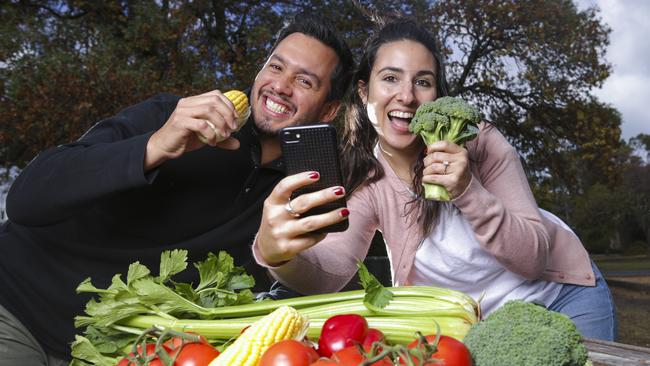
(402, 161)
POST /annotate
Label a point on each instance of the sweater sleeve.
(501, 209)
(107, 159)
(330, 265)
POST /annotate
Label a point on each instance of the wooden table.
(603, 353)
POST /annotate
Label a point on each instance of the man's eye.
(275, 67)
(305, 82)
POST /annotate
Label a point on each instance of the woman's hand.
(447, 164)
(283, 233)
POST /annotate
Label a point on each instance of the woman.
(490, 241)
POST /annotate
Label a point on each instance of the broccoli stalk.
(522, 333)
(445, 119)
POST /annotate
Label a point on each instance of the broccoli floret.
(444, 119)
(522, 333)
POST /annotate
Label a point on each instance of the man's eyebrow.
(397, 69)
(300, 70)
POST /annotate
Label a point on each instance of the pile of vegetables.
(153, 320)
(221, 306)
(444, 119)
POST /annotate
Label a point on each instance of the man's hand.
(204, 117)
(282, 234)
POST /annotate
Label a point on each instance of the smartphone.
(314, 148)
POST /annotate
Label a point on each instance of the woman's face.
(402, 77)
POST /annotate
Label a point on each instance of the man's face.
(293, 85)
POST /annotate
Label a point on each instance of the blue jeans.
(590, 308)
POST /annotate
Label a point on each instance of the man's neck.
(270, 146)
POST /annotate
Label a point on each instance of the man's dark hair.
(321, 29)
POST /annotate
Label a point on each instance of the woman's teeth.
(400, 114)
(275, 107)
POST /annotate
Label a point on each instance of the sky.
(628, 87)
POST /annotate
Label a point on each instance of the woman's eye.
(390, 78)
(424, 83)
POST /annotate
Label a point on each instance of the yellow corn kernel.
(283, 323)
(240, 101)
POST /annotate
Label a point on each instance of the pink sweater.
(498, 204)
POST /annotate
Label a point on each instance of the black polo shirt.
(86, 209)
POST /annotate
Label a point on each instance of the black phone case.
(314, 148)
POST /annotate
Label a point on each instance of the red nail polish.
(345, 212)
(314, 175)
(339, 191)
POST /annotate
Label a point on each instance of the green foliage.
(522, 333)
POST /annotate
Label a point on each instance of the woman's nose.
(405, 94)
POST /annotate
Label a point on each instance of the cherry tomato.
(374, 335)
(195, 354)
(289, 353)
(340, 331)
(325, 362)
(351, 356)
(451, 352)
(150, 349)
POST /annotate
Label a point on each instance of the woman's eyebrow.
(399, 70)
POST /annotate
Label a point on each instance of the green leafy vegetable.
(221, 284)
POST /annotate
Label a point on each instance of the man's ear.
(363, 91)
(330, 109)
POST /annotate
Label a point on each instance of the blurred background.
(564, 80)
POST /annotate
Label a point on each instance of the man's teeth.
(400, 114)
(275, 107)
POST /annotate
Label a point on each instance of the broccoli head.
(444, 119)
(522, 333)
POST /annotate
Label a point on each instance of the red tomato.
(340, 331)
(150, 349)
(374, 335)
(195, 354)
(175, 342)
(350, 356)
(451, 352)
(325, 362)
(289, 353)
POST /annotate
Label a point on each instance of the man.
(143, 182)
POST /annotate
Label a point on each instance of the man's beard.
(265, 130)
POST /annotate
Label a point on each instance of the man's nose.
(282, 84)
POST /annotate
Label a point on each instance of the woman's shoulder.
(489, 143)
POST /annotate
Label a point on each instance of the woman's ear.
(362, 90)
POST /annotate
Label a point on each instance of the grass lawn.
(607, 263)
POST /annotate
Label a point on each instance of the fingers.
(447, 164)
(285, 231)
(212, 106)
(285, 188)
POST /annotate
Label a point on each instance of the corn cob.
(283, 323)
(240, 102)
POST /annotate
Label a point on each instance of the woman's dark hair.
(321, 29)
(358, 163)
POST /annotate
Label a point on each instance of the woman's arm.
(500, 206)
(330, 264)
